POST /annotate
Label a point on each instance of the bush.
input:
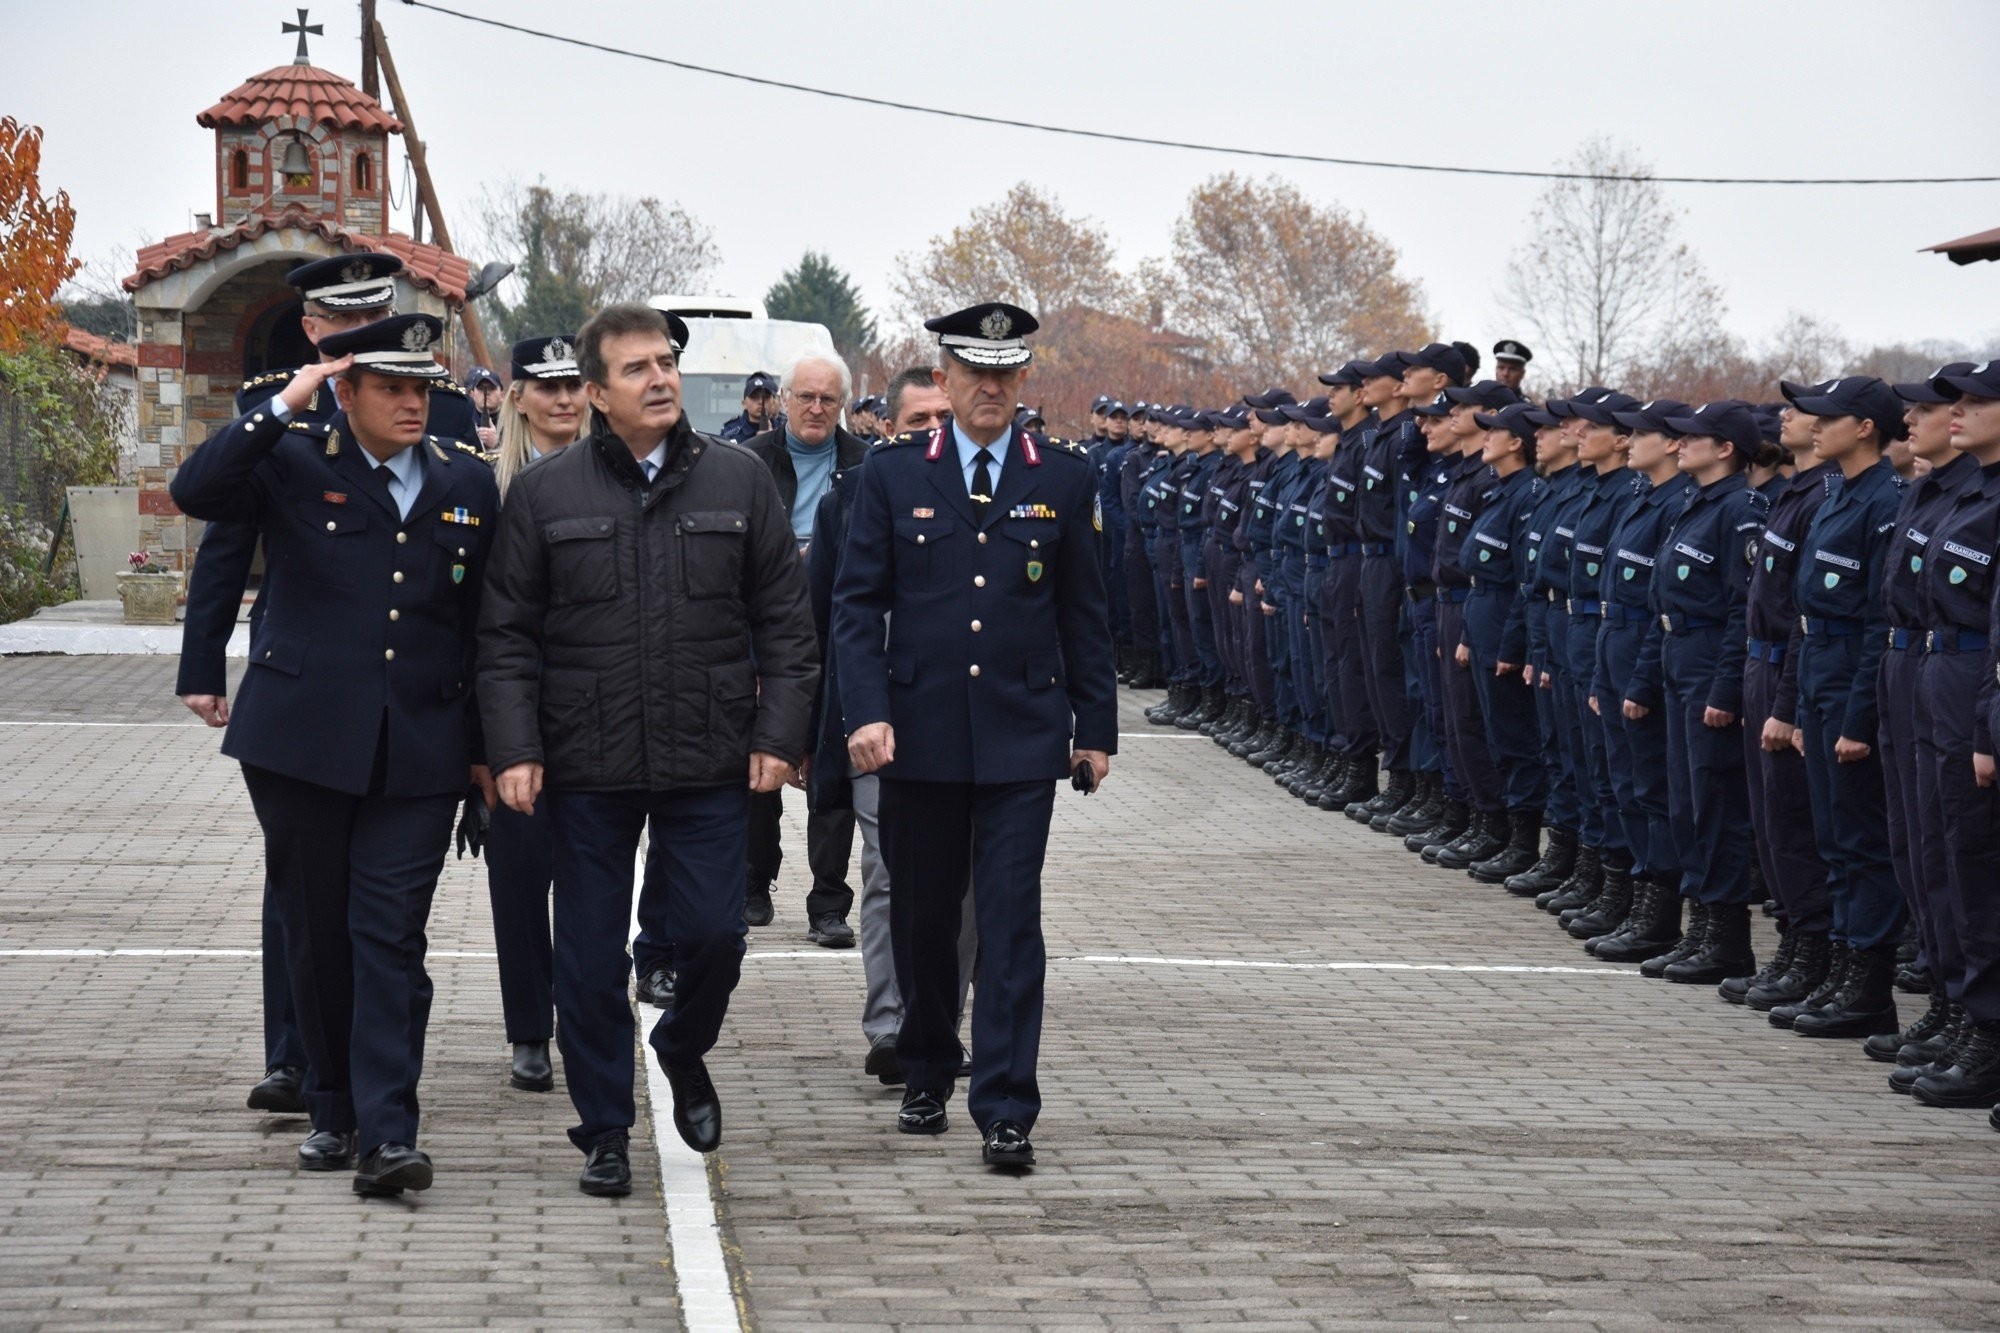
(24, 554)
(58, 428)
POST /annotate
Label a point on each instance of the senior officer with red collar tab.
(355, 723)
(976, 670)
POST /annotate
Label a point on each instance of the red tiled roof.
(1970, 249)
(93, 348)
(432, 269)
(306, 91)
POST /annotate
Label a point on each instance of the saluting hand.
(297, 394)
(872, 746)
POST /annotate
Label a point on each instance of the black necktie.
(982, 483)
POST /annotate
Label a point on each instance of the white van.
(728, 341)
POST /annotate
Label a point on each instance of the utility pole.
(413, 144)
(371, 82)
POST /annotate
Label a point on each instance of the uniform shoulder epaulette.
(313, 428)
(269, 377)
(443, 442)
(907, 437)
(450, 385)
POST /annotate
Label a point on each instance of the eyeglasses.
(821, 400)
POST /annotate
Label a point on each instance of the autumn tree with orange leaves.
(34, 242)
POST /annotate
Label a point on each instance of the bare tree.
(1024, 250)
(1275, 283)
(1806, 349)
(1605, 280)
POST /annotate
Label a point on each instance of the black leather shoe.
(327, 1150)
(281, 1091)
(830, 932)
(757, 909)
(697, 1110)
(922, 1112)
(607, 1173)
(531, 1072)
(1006, 1145)
(657, 987)
(882, 1062)
(391, 1169)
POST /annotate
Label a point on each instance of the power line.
(1266, 153)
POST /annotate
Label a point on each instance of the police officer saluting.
(355, 724)
(976, 669)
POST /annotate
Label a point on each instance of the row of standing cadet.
(1717, 654)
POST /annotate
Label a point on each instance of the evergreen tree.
(819, 293)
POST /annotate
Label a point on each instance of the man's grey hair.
(820, 359)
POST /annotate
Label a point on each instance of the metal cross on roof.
(301, 28)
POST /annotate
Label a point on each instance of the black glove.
(1084, 779)
(472, 825)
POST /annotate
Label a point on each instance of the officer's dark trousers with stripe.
(933, 835)
(1308, 650)
(1628, 756)
(692, 902)
(1964, 818)
(1555, 713)
(1342, 661)
(1465, 727)
(1382, 657)
(1707, 798)
(1919, 861)
(282, 1043)
(1430, 683)
(1505, 703)
(520, 867)
(1172, 585)
(1849, 814)
(354, 877)
(1781, 804)
(1135, 569)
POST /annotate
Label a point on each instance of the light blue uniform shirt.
(967, 449)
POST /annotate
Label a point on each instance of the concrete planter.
(149, 598)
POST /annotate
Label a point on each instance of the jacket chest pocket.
(333, 537)
(454, 547)
(917, 552)
(1035, 541)
(711, 543)
(583, 561)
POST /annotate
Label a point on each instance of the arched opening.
(296, 166)
(276, 341)
(239, 170)
(364, 174)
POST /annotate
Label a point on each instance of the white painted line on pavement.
(189, 725)
(1347, 966)
(1161, 736)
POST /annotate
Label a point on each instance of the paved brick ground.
(1262, 1146)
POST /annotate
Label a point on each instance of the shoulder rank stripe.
(936, 451)
(1029, 453)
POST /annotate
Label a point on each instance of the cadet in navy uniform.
(1699, 591)
(976, 669)
(355, 725)
(1843, 628)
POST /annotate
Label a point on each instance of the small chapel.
(302, 172)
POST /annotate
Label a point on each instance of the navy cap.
(1542, 417)
(761, 381)
(1275, 416)
(1194, 420)
(1441, 357)
(1102, 403)
(1391, 366)
(543, 358)
(1273, 397)
(481, 375)
(1566, 407)
(1794, 392)
(1023, 414)
(1439, 406)
(1514, 418)
(1349, 375)
(1769, 424)
(1489, 394)
(362, 281)
(1982, 381)
(399, 345)
(1858, 396)
(987, 336)
(1509, 350)
(1325, 425)
(1926, 390)
(1727, 419)
(1653, 416)
(1114, 408)
(1603, 411)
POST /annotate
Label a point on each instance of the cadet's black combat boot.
(1972, 1078)
(1147, 675)
(1810, 956)
(1224, 715)
(1256, 738)
(1865, 1004)
(1486, 837)
(1425, 813)
(1585, 879)
(1471, 830)
(1402, 782)
(1309, 781)
(1420, 787)
(1930, 1057)
(1333, 775)
(1124, 659)
(1247, 722)
(1838, 959)
(1276, 752)
(1554, 867)
(1737, 989)
(1924, 1038)
(1303, 754)
(1163, 713)
(1450, 826)
(1724, 950)
(1362, 784)
(1692, 938)
(1524, 841)
(1607, 911)
(1651, 928)
(1207, 708)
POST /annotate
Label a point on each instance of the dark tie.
(387, 478)
(982, 483)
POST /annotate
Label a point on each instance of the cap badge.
(356, 271)
(996, 326)
(417, 338)
(557, 350)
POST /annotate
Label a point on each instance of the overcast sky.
(1702, 87)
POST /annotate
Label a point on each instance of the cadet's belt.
(1453, 595)
(1906, 640)
(1372, 548)
(1764, 650)
(1315, 562)
(1423, 592)
(1620, 614)
(1824, 628)
(1952, 642)
(1674, 624)
(1583, 606)
(1337, 550)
